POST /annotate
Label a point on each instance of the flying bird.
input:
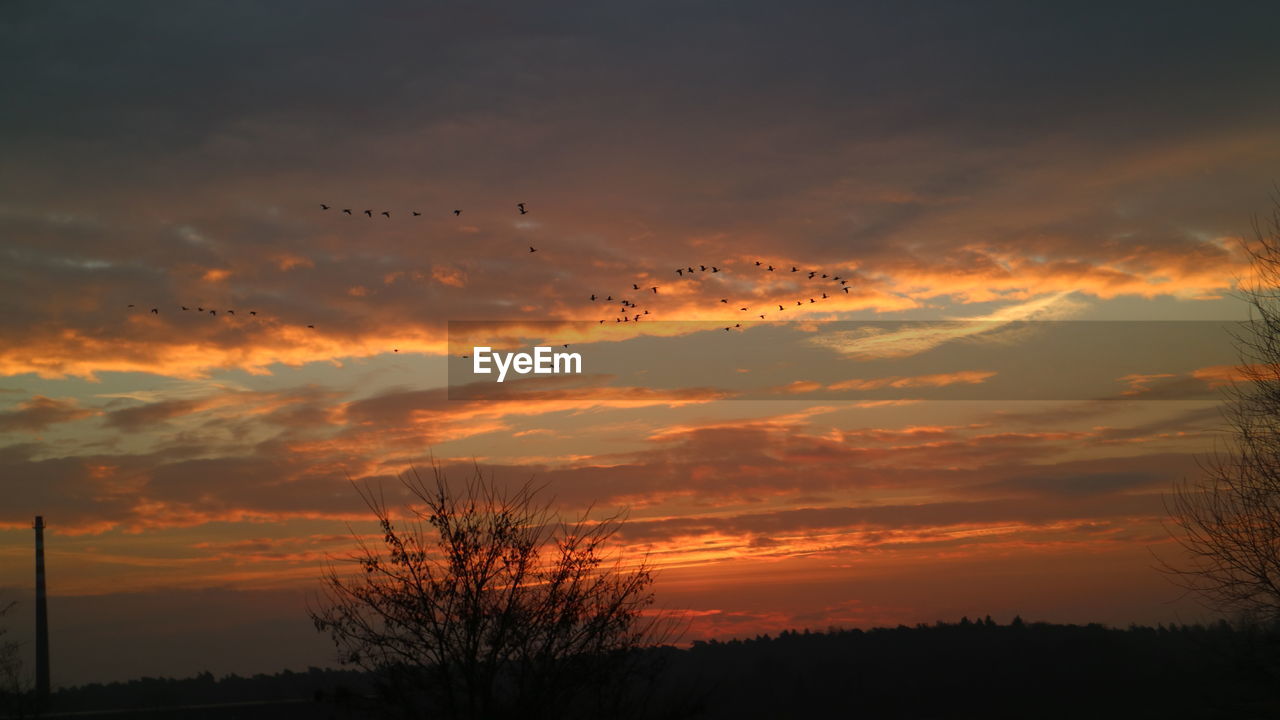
(369, 213)
(416, 213)
(845, 288)
(724, 300)
(680, 272)
(533, 249)
(593, 297)
(185, 308)
(457, 212)
(213, 312)
(757, 263)
(130, 304)
(654, 289)
(347, 210)
(313, 327)
(770, 268)
(715, 269)
(387, 213)
(635, 286)
(253, 312)
(704, 268)
(231, 312)
(525, 212)
(155, 311)
(323, 206)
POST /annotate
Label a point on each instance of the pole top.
(39, 522)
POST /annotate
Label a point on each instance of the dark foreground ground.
(959, 670)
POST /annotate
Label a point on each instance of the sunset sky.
(1008, 168)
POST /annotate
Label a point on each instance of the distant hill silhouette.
(946, 670)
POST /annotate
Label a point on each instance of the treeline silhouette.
(945, 670)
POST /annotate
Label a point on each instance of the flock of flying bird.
(626, 307)
(629, 310)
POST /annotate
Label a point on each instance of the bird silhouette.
(130, 304)
(761, 317)
(794, 269)
(387, 213)
(811, 300)
(742, 308)
(525, 212)
(347, 210)
(416, 213)
(845, 288)
(770, 268)
(635, 286)
(724, 300)
(457, 212)
(231, 312)
(323, 206)
(715, 269)
(757, 263)
(781, 308)
(253, 312)
(593, 297)
(313, 327)
(703, 267)
(533, 249)
(654, 289)
(680, 272)
(824, 296)
(199, 309)
(155, 311)
(369, 213)
(185, 308)
(213, 312)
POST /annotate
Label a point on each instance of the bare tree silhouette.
(14, 696)
(1229, 520)
(485, 604)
